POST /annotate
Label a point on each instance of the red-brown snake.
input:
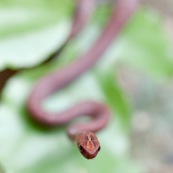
(82, 133)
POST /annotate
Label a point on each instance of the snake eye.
(99, 148)
(80, 148)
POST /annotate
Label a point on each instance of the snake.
(82, 133)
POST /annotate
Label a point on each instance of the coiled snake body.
(83, 134)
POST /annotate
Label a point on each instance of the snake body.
(82, 133)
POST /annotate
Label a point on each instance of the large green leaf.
(30, 31)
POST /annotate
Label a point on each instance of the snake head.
(88, 144)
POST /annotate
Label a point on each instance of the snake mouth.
(89, 155)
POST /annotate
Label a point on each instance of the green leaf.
(116, 98)
(146, 45)
(31, 31)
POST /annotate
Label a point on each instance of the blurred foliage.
(41, 27)
(32, 30)
(115, 97)
(147, 45)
